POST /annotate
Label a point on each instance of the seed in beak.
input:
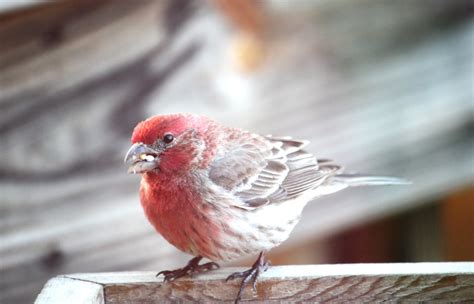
(150, 158)
(147, 157)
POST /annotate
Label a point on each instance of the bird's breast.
(202, 221)
(180, 215)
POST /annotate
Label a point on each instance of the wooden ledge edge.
(293, 272)
(64, 289)
(344, 282)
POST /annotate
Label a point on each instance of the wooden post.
(312, 283)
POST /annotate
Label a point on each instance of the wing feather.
(262, 170)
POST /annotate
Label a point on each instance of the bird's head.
(172, 144)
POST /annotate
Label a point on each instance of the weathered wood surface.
(71, 290)
(354, 283)
(76, 76)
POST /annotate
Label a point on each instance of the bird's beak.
(141, 158)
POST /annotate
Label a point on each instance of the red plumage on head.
(196, 140)
(148, 131)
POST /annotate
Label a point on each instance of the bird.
(222, 193)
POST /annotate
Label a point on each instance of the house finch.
(222, 193)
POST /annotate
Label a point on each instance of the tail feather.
(354, 180)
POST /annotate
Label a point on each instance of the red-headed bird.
(223, 193)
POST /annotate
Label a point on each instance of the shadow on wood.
(322, 283)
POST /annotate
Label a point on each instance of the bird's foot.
(251, 275)
(191, 269)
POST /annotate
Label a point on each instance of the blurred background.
(383, 87)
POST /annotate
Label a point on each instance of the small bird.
(222, 193)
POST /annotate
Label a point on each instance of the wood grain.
(410, 282)
(76, 76)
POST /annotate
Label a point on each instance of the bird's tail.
(355, 180)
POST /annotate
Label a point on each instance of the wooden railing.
(351, 283)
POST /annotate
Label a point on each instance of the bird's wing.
(261, 170)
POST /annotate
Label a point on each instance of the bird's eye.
(168, 138)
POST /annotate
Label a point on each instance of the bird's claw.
(202, 268)
(209, 266)
(251, 275)
(191, 269)
(235, 275)
(171, 275)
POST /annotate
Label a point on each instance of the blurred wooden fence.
(76, 76)
(354, 283)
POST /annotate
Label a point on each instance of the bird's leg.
(190, 269)
(251, 275)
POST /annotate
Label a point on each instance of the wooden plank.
(97, 67)
(403, 282)
(62, 290)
